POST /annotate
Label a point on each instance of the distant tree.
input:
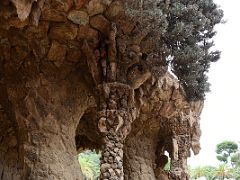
(235, 159)
(236, 173)
(197, 172)
(225, 149)
(224, 172)
(209, 172)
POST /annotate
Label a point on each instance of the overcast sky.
(220, 118)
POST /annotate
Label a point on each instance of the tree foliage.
(187, 41)
(223, 172)
(235, 159)
(90, 164)
(229, 167)
(197, 172)
(225, 149)
(211, 173)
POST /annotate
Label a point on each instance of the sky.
(220, 119)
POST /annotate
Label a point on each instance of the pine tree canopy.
(187, 41)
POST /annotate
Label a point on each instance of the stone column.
(139, 157)
(115, 117)
(181, 146)
(40, 142)
(49, 150)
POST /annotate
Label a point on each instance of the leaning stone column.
(181, 146)
(115, 118)
(48, 139)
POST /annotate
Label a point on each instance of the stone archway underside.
(164, 122)
(96, 62)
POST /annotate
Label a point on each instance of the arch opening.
(88, 144)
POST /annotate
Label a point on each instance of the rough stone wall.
(45, 93)
(43, 144)
(49, 127)
(10, 161)
(162, 118)
(139, 157)
(53, 57)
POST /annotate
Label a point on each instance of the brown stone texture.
(115, 118)
(78, 17)
(162, 117)
(88, 74)
(100, 23)
(38, 122)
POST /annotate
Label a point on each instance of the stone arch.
(87, 132)
(38, 130)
